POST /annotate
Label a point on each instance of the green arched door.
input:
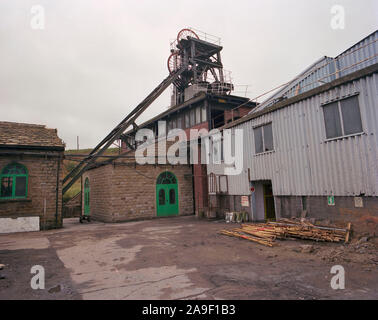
(167, 202)
(87, 208)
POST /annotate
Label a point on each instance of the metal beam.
(115, 134)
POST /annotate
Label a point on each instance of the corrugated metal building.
(314, 152)
(326, 69)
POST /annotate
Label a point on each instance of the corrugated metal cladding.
(365, 50)
(360, 56)
(323, 70)
(303, 162)
(309, 79)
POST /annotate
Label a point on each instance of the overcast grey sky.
(96, 60)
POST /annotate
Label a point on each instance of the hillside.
(69, 165)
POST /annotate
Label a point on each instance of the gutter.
(26, 147)
(23, 153)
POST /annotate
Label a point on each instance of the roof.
(305, 95)
(285, 91)
(197, 98)
(325, 70)
(374, 35)
(24, 135)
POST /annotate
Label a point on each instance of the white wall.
(21, 224)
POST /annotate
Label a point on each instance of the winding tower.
(204, 69)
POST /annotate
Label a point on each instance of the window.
(332, 120)
(14, 182)
(166, 178)
(187, 120)
(216, 153)
(222, 150)
(218, 150)
(268, 137)
(172, 196)
(203, 111)
(263, 138)
(161, 197)
(192, 117)
(342, 118)
(259, 148)
(350, 111)
(179, 122)
(198, 115)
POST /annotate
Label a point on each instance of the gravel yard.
(179, 258)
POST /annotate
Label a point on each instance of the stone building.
(31, 158)
(202, 112)
(202, 100)
(120, 190)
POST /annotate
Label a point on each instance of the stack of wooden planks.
(243, 234)
(267, 233)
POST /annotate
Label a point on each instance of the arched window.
(14, 182)
(166, 178)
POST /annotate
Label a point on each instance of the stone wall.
(72, 208)
(41, 195)
(100, 182)
(126, 191)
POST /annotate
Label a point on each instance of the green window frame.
(166, 178)
(14, 181)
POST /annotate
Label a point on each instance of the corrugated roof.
(287, 102)
(283, 92)
(25, 134)
(359, 56)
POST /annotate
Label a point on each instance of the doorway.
(262, 204)
(87, 208)
(270, 213)
(167, 203)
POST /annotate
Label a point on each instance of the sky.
(94, 60)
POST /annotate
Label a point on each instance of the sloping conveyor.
(115, 134)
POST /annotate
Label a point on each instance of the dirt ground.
(179, 258)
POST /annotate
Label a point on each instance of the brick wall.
(364, 219)
(41, 197)
(230, 115)
(125, 191)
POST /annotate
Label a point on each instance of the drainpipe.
(194, 191)
(57, 192)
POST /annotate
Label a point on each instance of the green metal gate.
(167, 202)
(87, 208)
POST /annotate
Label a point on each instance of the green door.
(167, 195)
(87, 209)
